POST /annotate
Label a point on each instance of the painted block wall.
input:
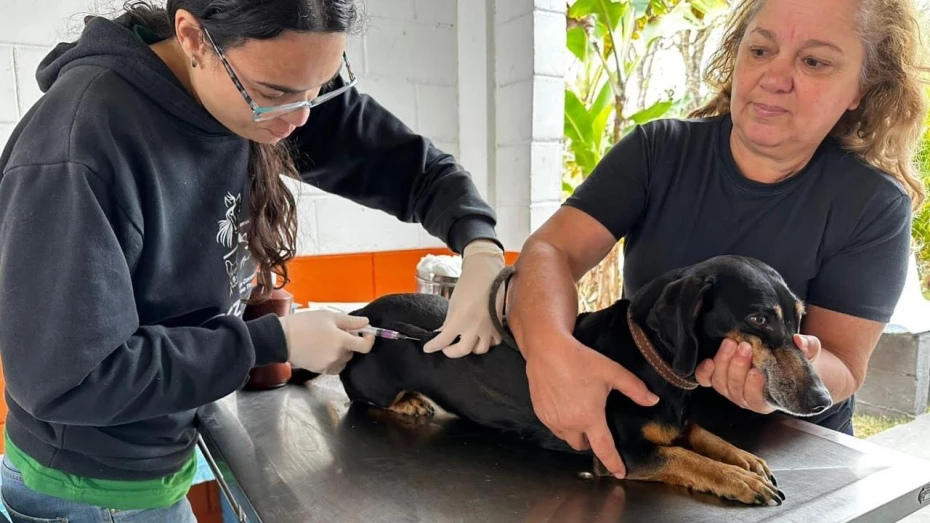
(26, 33)
(529, 43)
(406, 58)
(480, 78)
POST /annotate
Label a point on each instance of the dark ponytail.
(272, 208)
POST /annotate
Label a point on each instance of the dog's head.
(689, 312)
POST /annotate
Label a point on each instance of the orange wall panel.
(358, 277)
(337, 277)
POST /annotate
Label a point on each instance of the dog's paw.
(397, 420)
(712, 446)
(747, 487)
(744, 460)
(412, 404)
(684, 467)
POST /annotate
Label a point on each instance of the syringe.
(383, 333)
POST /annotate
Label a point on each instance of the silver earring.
(193, 62)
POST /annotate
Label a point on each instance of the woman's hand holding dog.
(569, 384)
(732, 375)
(468, 317)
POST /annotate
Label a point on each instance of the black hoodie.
(123, 249)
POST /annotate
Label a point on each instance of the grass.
(865, 426)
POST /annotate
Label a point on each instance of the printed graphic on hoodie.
(240, 267)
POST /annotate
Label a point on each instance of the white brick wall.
(409, 65)
(529, 86)
(480, 78)
(26, 33)
(44, 22)
(9, 110)
(475, 74)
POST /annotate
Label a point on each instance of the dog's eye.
(757, 319)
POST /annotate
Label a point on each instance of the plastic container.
(274, 375)
(429, 283)
(438, 274)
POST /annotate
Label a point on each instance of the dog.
(660, 334)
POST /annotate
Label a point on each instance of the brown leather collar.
(654, 358)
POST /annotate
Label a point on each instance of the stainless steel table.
(303, 454)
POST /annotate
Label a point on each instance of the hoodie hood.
(123, 47)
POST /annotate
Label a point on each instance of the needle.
(384, 333)
(375, 331)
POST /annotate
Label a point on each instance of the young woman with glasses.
(142, 206)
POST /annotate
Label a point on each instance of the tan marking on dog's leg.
(412, 404)
(682, 467)
(661, 435)
(656, 433)
(712, 446)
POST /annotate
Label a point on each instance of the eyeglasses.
(263, 114)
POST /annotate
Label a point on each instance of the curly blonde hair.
(884, 131)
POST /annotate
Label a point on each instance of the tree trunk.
(691, 45)
(602, 285)
(645, 73)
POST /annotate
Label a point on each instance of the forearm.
(382, 164)
(837, 377)
(157, 371)
(544, 299)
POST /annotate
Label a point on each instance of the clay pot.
(274, 375)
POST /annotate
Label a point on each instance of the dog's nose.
(818, 400)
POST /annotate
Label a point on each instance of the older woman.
(802, 160)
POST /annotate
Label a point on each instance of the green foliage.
(586, 126)
(610, 38)
(921, 225)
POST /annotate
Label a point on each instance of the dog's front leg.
(683, 467)
(654, 433)
(668, 462)
(714, 447)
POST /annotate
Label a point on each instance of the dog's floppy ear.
(673, 318)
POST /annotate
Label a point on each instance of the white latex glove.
(318, 341)
(468, 315)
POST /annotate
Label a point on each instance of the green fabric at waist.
(105, 493)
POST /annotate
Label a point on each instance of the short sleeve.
(866, 277)
(615, 192)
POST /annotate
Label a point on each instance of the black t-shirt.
(838, 231)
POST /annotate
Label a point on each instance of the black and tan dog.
(660, 334)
